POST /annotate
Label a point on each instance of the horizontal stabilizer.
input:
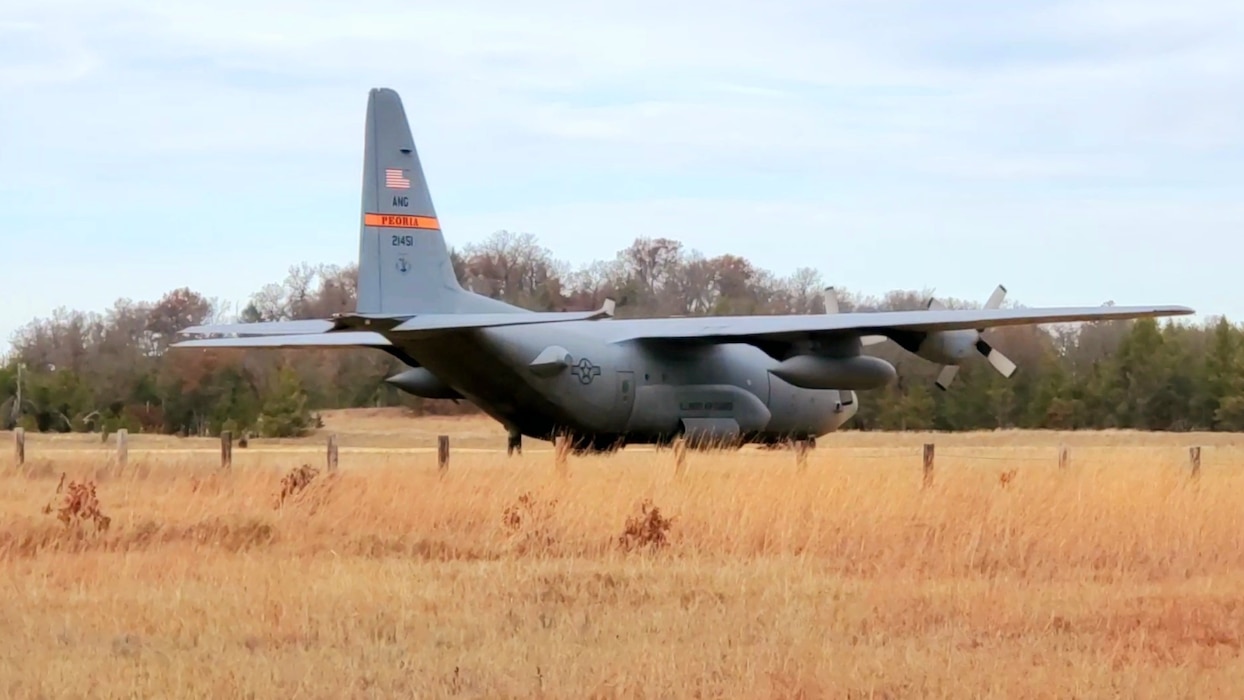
(316, 340)
(339, 322)
(354, 324)
(315, 325)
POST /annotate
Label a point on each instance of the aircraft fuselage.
(604, 393)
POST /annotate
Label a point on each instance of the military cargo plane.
(603, 381)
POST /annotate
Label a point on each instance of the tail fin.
(404, 264)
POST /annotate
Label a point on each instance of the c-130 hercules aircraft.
(604, 381)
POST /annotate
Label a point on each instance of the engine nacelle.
(422, 383)
(948, 347)
(858, 373)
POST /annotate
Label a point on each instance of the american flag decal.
(393, 179)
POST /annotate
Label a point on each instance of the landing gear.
(514, 444)
(789, 443)
(596, 445)
(589, 444)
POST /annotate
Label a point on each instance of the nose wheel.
(514, 444)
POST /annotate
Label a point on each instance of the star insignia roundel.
(585, 371)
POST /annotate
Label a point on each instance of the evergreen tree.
(285, 412)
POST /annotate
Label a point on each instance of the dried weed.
(295, 482)
(528, 522)
(648, 529)
(79, 506)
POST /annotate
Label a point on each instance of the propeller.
(999, 361)
(830, 296)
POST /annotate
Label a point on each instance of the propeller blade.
(946, 376)
(935, 305)
(831, 300)
(995, 299)
(999, 361)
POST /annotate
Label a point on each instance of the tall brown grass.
(745, 576)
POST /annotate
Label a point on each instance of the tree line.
(86, 371)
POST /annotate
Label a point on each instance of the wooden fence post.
(442, 453)
(928, 464)
(123, 449)
(1064, 457)
(332, 452)
(19, 445)
(226, 449)
(1194, 455)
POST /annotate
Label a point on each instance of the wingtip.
(1175, 310)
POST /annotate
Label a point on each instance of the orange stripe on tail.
(401, 221)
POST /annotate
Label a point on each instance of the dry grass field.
(1118, 576)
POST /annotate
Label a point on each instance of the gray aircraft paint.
(607, 380)
(404, 264)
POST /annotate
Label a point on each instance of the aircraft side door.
(625, 396)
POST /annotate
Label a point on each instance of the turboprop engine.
(951, 348)
(422, 383)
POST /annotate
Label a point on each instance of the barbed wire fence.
(929, 454)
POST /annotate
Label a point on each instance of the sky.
(1076, 152)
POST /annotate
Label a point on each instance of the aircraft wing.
(431, 324)
(884, 323)
(312, 340)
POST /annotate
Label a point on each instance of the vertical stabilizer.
(404, 264)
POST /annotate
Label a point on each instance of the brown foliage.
(178, 309)
(80, 505)
(528, 521)
(294, 482)
(648, 529)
